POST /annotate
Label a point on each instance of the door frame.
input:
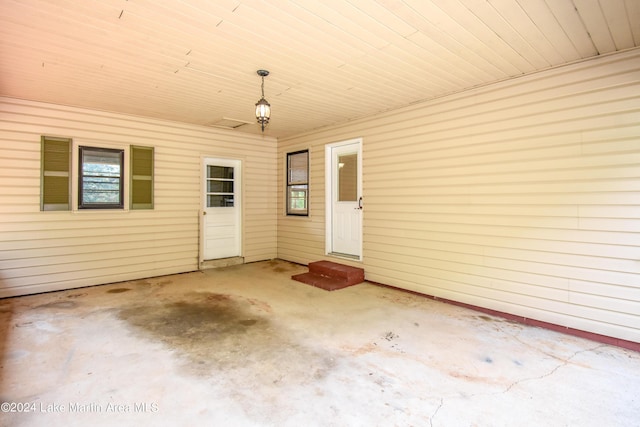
(238, 202)
(331, 188)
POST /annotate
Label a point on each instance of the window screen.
(298, 183)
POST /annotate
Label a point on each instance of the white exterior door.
(344, 205)
(221, 213)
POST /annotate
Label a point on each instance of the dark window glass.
(220, 186)
(298, 183)
(101, 178)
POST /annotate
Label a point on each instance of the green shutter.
(55, 192)
(141, 188)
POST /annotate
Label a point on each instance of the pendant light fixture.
(263, 108)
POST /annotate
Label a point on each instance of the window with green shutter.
(55, 194)
(101, 176)
(141, 187)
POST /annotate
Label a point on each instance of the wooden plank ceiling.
(331, 61)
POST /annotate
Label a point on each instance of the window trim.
(290, 185)
(121, 188)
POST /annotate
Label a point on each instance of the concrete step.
(330, 275)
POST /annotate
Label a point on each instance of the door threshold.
(221, 262)
(345, 256)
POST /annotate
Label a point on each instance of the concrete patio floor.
(247, 346)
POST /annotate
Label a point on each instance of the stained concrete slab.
(247, 346)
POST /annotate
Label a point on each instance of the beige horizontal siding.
(522, 196)
(41, 251)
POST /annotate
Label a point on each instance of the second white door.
(221, 225)
(344, 209)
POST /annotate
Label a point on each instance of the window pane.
(222, 172)
(348, 178)
(298, 168)
(100, 178)
(100, 190)
(220, 180)
(219, 186)
(217, 201)
(297, 200)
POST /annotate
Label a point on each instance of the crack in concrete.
(516, 336)
(565, 362)
(436, 411)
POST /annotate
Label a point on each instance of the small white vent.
(228, 123)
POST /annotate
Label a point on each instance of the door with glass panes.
(344, 206)
(221, 224)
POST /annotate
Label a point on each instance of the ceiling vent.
(227, 123)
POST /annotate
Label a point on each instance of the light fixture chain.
(263, 109)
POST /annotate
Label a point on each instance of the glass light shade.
(263, 111)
